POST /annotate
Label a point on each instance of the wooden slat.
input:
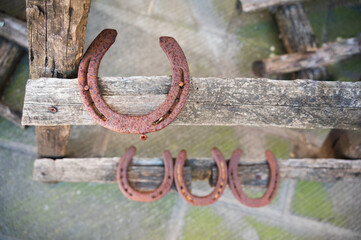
(212, 101)
(148, 173)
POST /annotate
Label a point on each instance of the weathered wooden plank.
(255, 5)
(297, 36)
(10, 56)
(329, 54)
(212, 101)
(13, 29)
(148, 173)
(144, 174)
(56, 34)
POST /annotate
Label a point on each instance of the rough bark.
(212, 101)
(147, 174)
(297, 36)
(329, 54)
(13, 29)
(56, 33)
(256, 5)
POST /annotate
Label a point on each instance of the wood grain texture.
(148, 173)
(56, 34)
(329, 54)
(212, 101)
(256, 5)
(297, 36)
(10, 56)
(13, 29)
(143, 174)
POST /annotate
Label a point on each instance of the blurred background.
(218, 40)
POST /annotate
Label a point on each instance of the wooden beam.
(212, 101)
(329, 54)
(10, 56)
(147, 174)
(13, 29)
(56, 33)
(256, 5)
(297, 36)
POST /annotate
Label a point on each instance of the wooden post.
(297, 35)
(56, 33)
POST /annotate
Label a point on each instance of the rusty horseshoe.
(105, 116)
(236, 187)
(150, 196)
(184, 191)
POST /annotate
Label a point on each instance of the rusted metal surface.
(105, 116)
(236, 187)
(53, 109)
(132, 193)
(184, 191)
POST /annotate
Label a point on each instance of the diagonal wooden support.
(212, 101)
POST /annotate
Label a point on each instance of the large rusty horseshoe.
(105, 116)
(135, 195)
(184, 191)
(236, 187)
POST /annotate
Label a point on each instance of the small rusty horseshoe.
(135, 195)
(105, 116)
(184, 190)
(236, 187)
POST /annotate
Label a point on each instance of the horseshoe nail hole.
(126, 189)
(121, 169)
(130, 194)
(161, 192)
(181, 187)
(169, 177)
(153, 196)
